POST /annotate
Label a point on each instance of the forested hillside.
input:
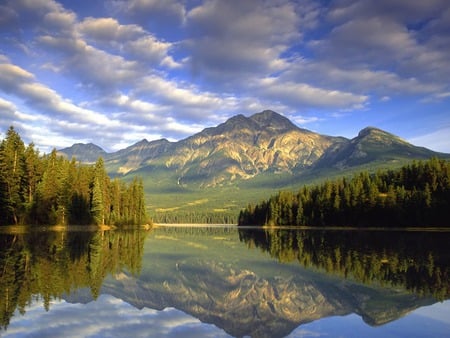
(50, 189)
(415, 195)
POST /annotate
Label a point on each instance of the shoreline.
(20, 229)
(195, 225)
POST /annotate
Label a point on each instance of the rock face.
(245, 147)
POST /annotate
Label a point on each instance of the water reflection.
(417, 261)
(246, 282)
(108, 316)
(52, 264)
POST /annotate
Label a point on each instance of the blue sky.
(113, 72)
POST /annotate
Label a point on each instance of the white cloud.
(94, 67)
(437, 140)
(302, 120)
(148, 48)
(108, 29)
(11, 73)
(361, 79)
(399, 10)
(304, 95)
(7, 108)
(60, 22)
(61, 115)
(163, 13)
(230, 40)
(389, 37)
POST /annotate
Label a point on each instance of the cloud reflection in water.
(427, 321)
(106, 317)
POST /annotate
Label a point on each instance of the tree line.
(194, 217)
(51, 189)
(417, 194)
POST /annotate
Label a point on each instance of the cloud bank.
(119, 71)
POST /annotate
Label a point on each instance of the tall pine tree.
(12, 165)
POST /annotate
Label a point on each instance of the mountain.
(370, 146)
(87, 153)
(245, 159)
(244, 147)
(133, 157)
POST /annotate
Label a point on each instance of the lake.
(221, 281)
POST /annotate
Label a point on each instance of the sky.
(113, 72)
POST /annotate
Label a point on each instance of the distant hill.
(87, 153)
(262, 152)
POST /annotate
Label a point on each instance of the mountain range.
(265, 149)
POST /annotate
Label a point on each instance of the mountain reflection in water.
(262, 283)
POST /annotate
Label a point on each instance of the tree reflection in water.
(417, 261)
(51, 264)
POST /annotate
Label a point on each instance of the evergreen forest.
(416, 195)
(50, 190)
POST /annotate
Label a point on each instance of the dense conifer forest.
(50, 189)
(417, 194)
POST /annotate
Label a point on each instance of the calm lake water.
(224, 281)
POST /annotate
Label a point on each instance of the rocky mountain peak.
(234, 124)
(142, 142)
(378, 136)
(272, 120)
(374, 132)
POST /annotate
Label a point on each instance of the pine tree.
(97, 204)
(12, 164)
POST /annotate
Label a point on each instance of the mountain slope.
(135, 156)
(372, 145)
